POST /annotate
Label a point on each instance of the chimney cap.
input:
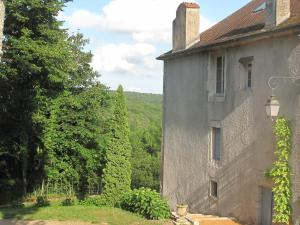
(191, 5)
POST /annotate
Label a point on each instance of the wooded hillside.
(145, 114)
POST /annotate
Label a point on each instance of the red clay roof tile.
(244, 21)
(191, 5)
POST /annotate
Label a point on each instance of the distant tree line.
(59, 126)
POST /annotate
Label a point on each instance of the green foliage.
(146, 203)
(145, 114)
(42, 201)
(69, 202)
(280, 173)
(98, 201)
(75, 138)
(53, 113)
(61, 130)
(17, 204)
(117, 170)
(36, 64)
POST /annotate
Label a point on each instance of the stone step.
(211, 220)
(199, 219)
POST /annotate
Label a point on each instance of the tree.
(52, 110)
(74, 133)
(117, 170)
(36, 63)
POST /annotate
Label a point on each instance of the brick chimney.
(277, 11)
(186, 25)
(2, 16)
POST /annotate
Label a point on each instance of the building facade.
(217, 138)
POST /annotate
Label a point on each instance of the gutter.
(235, 41)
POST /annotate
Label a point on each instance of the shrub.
(95, 201)
(68, 202)
(17, 204)
(146, 203)
(42, 201)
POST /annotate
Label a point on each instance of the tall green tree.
(74, 136)
(51, 109)
(117, 171)
(36, 63)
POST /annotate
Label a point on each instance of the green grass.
(91, 214)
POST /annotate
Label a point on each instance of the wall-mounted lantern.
(272, 107)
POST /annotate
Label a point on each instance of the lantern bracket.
(273, 85)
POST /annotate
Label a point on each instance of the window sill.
(213, 198)
(217, 98)
(248, 89)
(217, 164)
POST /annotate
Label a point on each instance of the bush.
(42, 201)
(95, 201)
(17, 204)
(68, 202)
(146, 203)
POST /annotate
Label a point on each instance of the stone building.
(217, 138)
(2, 16)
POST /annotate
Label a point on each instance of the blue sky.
(127, 35)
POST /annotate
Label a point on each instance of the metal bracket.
(292, 78)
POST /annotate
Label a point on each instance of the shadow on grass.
(17, 222)
(11, 216)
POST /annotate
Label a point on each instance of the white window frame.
(213, 96)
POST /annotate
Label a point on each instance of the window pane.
(216, 141)
(220, 75)
(214, 189)
(249, 82)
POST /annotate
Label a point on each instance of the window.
(260, 8)
(220, 81)
(246, 72)
(213, 189)
(249, 76)
(216, 143)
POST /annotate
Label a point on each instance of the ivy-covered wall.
(280, 173)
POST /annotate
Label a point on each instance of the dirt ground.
(18, 222)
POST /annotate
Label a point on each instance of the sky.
(126, 36)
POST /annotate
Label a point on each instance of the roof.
(248, 20)
(191, 5)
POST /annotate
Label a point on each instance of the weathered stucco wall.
(247, 140)
(2, 15)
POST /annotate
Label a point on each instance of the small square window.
(213, 189)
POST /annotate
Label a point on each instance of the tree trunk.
(24, 155)
(24, 172)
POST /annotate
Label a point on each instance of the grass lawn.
(91, 214)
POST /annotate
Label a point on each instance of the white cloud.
(134, 59)
(145, 21)
(148, 23)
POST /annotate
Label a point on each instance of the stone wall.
(247, 139)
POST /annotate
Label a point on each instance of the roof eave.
(233, 41)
